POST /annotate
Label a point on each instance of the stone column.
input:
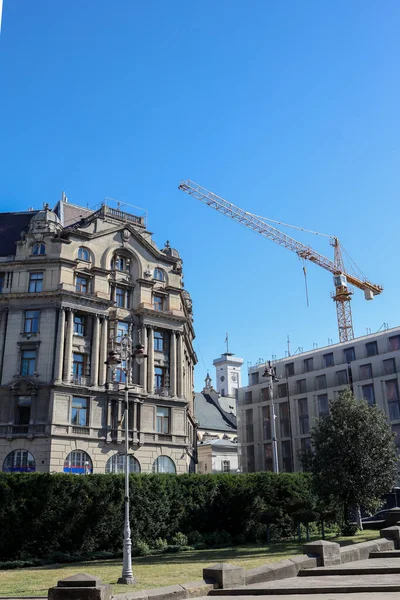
(150, 360)
(143, 366)
(180, 366)
(68, 347)
(59, 358)
(3, 330)
(102, 378)
(95, 351)
(172, 364)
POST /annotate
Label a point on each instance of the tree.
(354, 457)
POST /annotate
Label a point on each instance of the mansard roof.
(12, 224)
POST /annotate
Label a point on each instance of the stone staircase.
(370, 570)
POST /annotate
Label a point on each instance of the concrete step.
(385, 554)
(327, 584)
(368, 566)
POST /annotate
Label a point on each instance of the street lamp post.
(125, 358)
(270, 373)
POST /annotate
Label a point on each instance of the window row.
(283, 417)
(349, 355)
(79, 462)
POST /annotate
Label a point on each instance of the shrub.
(67, 516)
(179, 539)
(160, 544)
(140, 548)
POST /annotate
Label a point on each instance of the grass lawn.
(154, 571)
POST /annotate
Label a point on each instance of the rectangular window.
(82, 284)
(371, 348)
(163, 419)
(289, 369)
(248, 397)
(251, 463)
(268, 460)
(78, 365)
(394, 343)
(158, 303)
(265, 394)
(31, 324)
(28, 362)
(286, 448)
(79, 413)
(308, 365)
(120, 372)
(389, 366)
(249, 426)
(366, 371)
(122, 330)
(254, 378)
(341, 377)
(266, 422)
(282, 390)
(35, 282)
(284, 419)
(392, 396)
(303, 416)
(321, 382)
(323, 405)
(368, 393)
(2, 277)
(158, 341)
(396, 430)
(121, 297)
(159, 378)
(305, 444)
(328, 360)
(23, 414)
(226, 466)
(79, 324)
(301, 386)
(349, 354)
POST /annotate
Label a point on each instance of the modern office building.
(74, 284)
(370, 365)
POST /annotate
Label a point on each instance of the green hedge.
(42, 513)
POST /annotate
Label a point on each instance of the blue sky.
(289, 109)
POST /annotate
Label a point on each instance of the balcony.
(163, 391)
(80, 430)
(20, 429)
(84, 381)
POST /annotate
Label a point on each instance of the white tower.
(228, 374)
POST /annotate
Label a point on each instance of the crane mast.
(341, 295)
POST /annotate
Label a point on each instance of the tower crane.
(341, 295)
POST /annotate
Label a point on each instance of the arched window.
(159, 274)
(78, 462)
(83, 254)
(164, 464)
(116, 464)
(19, 461)
(39, 249)
(121, 263)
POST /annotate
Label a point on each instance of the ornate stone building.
(73, 282)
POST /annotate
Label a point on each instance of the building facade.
(306, 383)
(73, 283)
(218, 456)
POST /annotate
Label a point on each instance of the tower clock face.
(234, 377)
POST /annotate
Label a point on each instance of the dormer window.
(38, 250)
(83, 254)
(121, 263)
(159, 274)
